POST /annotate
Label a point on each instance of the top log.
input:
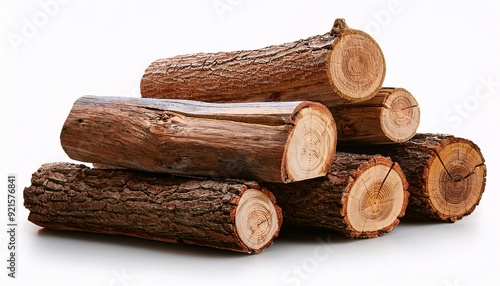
(342, 66)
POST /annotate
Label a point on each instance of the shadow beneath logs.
(418, 220)
(310, 235)
(140, 243)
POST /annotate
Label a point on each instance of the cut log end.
(401, 116)
(356, 66)
(257, 221)
(377, 198)
(456, 179)
(309, 152)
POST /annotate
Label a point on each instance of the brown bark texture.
(344, 65)
(446, 174)
(391, 116)
(66, 196)
(271, 141)
(363, 196)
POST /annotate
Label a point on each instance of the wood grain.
(273, 141)
(446, 174)
(363, 196)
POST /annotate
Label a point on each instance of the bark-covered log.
(362, 196)
(391, 116)
(446, 174)
(270, 141)
(344, 65)
(236, 215)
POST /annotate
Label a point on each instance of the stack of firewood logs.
(224, 147)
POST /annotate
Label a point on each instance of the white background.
(444, 52)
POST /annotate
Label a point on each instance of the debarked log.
(271, 141)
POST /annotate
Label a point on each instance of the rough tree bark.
(362, 196)
(391, 116)
(238, 216)
(446, 174)
(272, 141)
(344, 65)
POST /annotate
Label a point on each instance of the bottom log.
(236, 215)
(446, 174)
(362, 196)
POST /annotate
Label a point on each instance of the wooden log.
(236, 215)
(362, 196)
(344, 65)
(446, 174)
(391, 116)
(274, 141)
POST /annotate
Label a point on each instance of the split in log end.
(310, 149)
(257, 220)
(401, 116)
(377, 198)
(356, 65)
(456, 179)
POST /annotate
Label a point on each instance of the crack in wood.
(473, 170)
(442, 163)
(385, 178)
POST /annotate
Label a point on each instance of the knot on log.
(338, 26)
